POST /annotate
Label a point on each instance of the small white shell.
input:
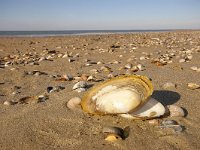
(74, 103)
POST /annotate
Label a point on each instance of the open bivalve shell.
(128, 96)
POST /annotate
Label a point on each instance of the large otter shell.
(124, 94)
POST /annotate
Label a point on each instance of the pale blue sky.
(99, 14)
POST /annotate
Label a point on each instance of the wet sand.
(165, 57)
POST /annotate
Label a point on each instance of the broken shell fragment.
(128, 96)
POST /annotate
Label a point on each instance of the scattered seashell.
(71, 60)
(16, 92)
(74, 103)
(49, 89)
(140, 67)
(189, 57)
(43, 98)
(194, 68)
(134, 69)
(113, 130)
(88, 64)
(81, 84)
(8, 103)
(193, 86)
(58, 88)
(65, 56)
(169, 122)
(92, 78)
(128, 66)
(112, 138)
(169, 85)
(176, 127)
(99, 62)
(116, 133)
(179, 128)
(182, 60)
(176, 111)
(142, 58)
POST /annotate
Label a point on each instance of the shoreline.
(81, 32)
(85, 33)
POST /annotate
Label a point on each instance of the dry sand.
(51, 125)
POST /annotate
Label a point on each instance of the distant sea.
(69, 32)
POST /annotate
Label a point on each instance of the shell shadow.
(166, 97)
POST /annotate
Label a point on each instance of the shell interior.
(124, 94)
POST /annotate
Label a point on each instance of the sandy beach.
(29, 65)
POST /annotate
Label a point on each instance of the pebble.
(74, 103)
